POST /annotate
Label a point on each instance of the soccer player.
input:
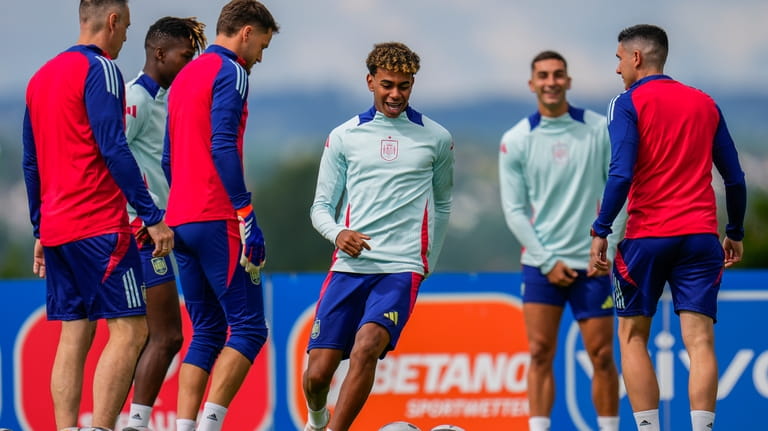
(207, 111)
(394, 168)
(552, 167)
(170, 44)
(78, 172)
(665, 137)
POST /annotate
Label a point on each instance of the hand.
(162, 236)
(562, 275)
(38, 260)
(734, 251)
(254, 252)
(352, 242)
(598, 260)
(142, 236)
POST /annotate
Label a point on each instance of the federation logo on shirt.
(159, 265)
(560, 153)
(389, 149)
(315, 329)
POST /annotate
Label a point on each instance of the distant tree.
(756, 230)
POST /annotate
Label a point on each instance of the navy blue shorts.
(348, 301)
(95, 278)
(691, 264)
(218, 292)
(588, 296)
(156, 270)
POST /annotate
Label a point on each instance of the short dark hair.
(393, 56)
(548, 55)
(655, 37)
(171, 27)
(89, 9)
(238, 13)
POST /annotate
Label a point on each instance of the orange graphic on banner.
(36, 347)
(462, 359)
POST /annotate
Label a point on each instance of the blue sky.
(469, 49)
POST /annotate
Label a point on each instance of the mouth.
(393, 107)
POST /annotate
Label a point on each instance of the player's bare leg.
(370, 342)
(165, 339)
(192, 382)
(642, 386)
(228, 375)
(541, 325)
(321, 365)
(699, 339)
(114, 371)
(597, 334)
(67, 373)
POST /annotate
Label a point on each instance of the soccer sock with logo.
(538, 423)
(139, 415)
(647, 420)
(185, 425)
(213, 417)
(608, 423)
(317, 418)
(702, 420)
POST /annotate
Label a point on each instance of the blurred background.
(475, 67)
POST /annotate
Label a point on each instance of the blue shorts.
(95, 278)
(156, 270)
(691, 264)
(218, 292)
(348, 301)
(588, 296)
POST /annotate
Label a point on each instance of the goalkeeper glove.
(253, 253)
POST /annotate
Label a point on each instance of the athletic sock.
(213, 417)
(647, 420)
(608, 423)
(139, 415)
(702, 420)
(318, 418)
(185, 425)
(538, 423)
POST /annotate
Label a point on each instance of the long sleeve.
(331, 181)
(442, 184)
(31, 174)
(517, 208)
(726, 160)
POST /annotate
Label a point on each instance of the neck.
(88, 38)
(553, 111)
(229, 42)
(151, 70)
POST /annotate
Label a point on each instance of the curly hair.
(392, 56)
(173, 27)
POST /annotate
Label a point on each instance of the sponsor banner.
(461, 358)
(35, 352)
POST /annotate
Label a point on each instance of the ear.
(637, 58)
(246, 33)
(568, 83)
(112, 19)
(369, 80)
(530, 86)
(159, 54)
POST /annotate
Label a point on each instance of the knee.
(368, 349)
(318, 377)
(602, 358)
(169, 341)
(542, 354)
(248, 339)
(205, 348)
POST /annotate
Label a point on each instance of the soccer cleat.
(326, 419)
(399, 426)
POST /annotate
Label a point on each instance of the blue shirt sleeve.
(31, 174)
(165, 162)
(726, 160)
(229, 95)
(622, 129)
(104, 102)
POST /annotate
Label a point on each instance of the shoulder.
(436, 129)
(518, 132)
(593, 119)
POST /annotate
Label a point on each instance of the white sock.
(702, 420)
(318, 418)
(647, 420)
(185, 425)
(139, 415)
(538, 423)
(608, 423)
(213, 417)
